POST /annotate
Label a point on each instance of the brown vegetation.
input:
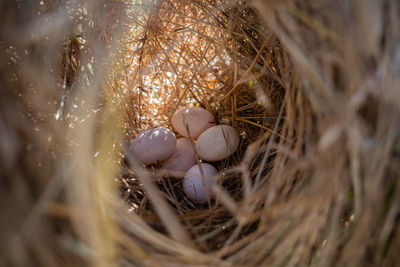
(311, 86)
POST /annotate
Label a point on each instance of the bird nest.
(311, 88)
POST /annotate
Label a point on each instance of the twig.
(270, 141)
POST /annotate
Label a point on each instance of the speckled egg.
(193, 184)
(154, 145)
(182, 159)
(197, 119)
(217, 143)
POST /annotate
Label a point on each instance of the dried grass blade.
(169, 219)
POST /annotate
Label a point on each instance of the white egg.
(153, 145)
(197, 119)
(217, 143)
(193, 182)
(182, 159)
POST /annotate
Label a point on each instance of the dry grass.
(311, 86)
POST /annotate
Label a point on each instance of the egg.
(217, 143)
(153, 145)
(197, 119)
(193, 182)
(182, 159)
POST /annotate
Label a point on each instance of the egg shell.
(197, 119)
(153, 145)
(182, 159)
(217, 143)
(193, 184)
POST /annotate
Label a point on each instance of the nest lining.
(205, 80)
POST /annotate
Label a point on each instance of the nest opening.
(188, 58)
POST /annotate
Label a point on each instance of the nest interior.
(312, 87)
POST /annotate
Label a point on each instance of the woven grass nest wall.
(312, 87)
